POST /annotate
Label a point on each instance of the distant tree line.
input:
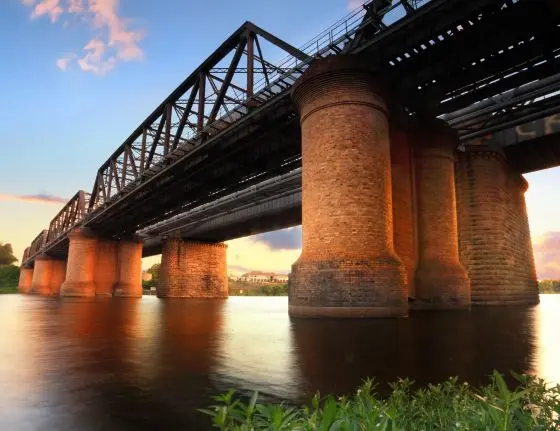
(549, 286)
(245, 288)
(154, 270)
(9, 273)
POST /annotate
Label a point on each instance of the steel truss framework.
(234, 80)
(440, 56)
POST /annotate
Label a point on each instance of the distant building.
(146, 276)
(263, 277)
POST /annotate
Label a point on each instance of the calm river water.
(148, 364)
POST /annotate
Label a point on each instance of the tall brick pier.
(494, 237)
(348, 266)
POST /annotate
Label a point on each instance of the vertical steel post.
(250, 64)
(201, 102)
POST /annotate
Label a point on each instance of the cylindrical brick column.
(173, 269)
(41, 282)
(494, 239)
(82, 259)
(25, 279)
(129, 283)
(106, 269)
(404, 218)
(348, 266)
(58, 275)
(191, 269)
(441, 281)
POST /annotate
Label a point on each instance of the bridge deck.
(191, 150)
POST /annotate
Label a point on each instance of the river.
(149, 364)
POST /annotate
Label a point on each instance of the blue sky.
(79, 75)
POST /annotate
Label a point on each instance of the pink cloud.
(354, 4)
(94, 60)
(547, 256)
(41, 198)
(75, 6)
(114, 41)
(64, 62)
(46, 7)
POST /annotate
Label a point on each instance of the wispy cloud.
(64, 62)
(113, 41)
(41, 198)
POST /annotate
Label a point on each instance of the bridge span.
(388, 137)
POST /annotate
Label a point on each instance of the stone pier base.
(494, 239)
(25, 279)
(48, 276)
(102, 267)
(82, 258)
(129, 283)
(191, 269)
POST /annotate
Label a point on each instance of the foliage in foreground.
(447, 406)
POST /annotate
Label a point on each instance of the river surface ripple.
(149, 364)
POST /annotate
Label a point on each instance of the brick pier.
(494, 238)
(348, 266)
(191, 269)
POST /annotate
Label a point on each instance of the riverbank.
(11, 289)
(245, 288)
(445, 406)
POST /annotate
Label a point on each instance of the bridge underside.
(378, 186)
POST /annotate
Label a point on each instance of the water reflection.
(148, 364)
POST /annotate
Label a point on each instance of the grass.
(446, 406)
(11, 289)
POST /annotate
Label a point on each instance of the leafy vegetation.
(446, 406)
(9, 289)
(549, 286)
(6, 254)
(9, 278)
(245, 288)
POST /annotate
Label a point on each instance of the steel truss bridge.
(483, 65)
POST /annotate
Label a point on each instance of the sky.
(79, 75)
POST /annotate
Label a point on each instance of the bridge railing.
(72, 213)
(38, 243)
(25, 255)
(238, 77)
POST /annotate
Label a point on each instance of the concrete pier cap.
(348, 266)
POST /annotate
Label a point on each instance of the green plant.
(445, 406)
(9, 276)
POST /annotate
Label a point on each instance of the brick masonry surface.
(102, 267)
(441, 281)
(106, 267)
(25, 279)
(191, 269)
(129, 281)
(48, 276)
(82, 258)
(348, 266)
(494, 238)
(404, 219)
